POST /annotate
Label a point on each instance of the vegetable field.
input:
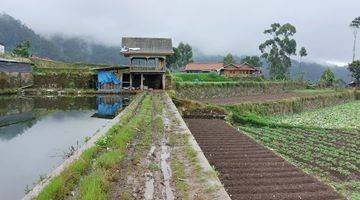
(344, 116)
(324, 142)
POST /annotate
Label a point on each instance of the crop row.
(329, 154)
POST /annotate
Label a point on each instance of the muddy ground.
(248, 170)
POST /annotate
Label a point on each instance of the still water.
(36, 133)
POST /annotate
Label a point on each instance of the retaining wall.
(205, 90)
(64, 80)
(293, 105)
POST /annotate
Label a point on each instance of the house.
(147, 58)
(231, 70)
(14, 74)
(2, 48)
(146, 69)
(236, 70)
(203, 67)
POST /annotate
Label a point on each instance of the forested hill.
(13, 31)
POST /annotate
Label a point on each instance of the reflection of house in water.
(109, 106)
(15, 124)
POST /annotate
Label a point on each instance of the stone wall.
(293, 105)
(64, 80)
(223, 90)
(15, 79)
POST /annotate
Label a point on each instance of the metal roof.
(140, 45)
(14, 66)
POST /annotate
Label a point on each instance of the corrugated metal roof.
(203, 66)
(139, 45)
(13, 66)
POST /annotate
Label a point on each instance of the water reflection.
(110, 106)
(35, 132)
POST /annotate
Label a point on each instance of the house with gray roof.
(147, 61)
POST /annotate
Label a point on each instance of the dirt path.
(250, 171)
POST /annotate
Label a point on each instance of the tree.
(185, 54)
(355, 25)
(278, 49)
(228, 59)
(22, 49)
(182, 56)
(171, 61)
(354, 68)
(302, 53)
(327, 78)
(252, 60)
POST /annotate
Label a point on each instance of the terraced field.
(250, 171)
(344, 116)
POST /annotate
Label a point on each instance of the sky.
(212, 27)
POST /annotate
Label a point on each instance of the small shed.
(14, 74)
(111, 79)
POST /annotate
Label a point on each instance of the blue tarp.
(107, 77)
(108, 109)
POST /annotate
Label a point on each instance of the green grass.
(93, 170)
(200, 77)
(344, 116)
(314, 91)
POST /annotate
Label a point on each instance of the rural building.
(236, 70)
(203, 67)
(2, 48)
(15, 74)
(231, 70)
(147, 61)
(146, 69)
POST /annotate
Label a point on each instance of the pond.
(38, 133)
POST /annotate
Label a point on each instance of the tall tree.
(228, 59)
(171, 61)
(302, 53)
(354, 68)
(355, 25)
(22, 49)
(328, 78)
(252, 60)
(185, 54)
(278, 49)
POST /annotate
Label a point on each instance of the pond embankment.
(148, 153)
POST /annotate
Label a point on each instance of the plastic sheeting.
(107, 77)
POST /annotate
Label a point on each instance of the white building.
(2, 48)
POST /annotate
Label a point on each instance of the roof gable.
(203, 66)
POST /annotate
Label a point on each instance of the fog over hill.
(76, 49)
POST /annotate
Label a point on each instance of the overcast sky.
(213, 27)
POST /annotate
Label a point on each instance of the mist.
(212, 27)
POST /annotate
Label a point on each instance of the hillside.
(57, 47)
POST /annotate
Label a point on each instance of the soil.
(248, 170)
(254, 98)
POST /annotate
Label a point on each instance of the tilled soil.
(254, 98)
(248, 170)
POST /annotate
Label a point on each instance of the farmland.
(345, 116)
(323, 142)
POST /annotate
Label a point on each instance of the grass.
(344, 116)
(91, 173)
(200, 77)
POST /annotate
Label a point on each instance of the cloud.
(214, 27)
